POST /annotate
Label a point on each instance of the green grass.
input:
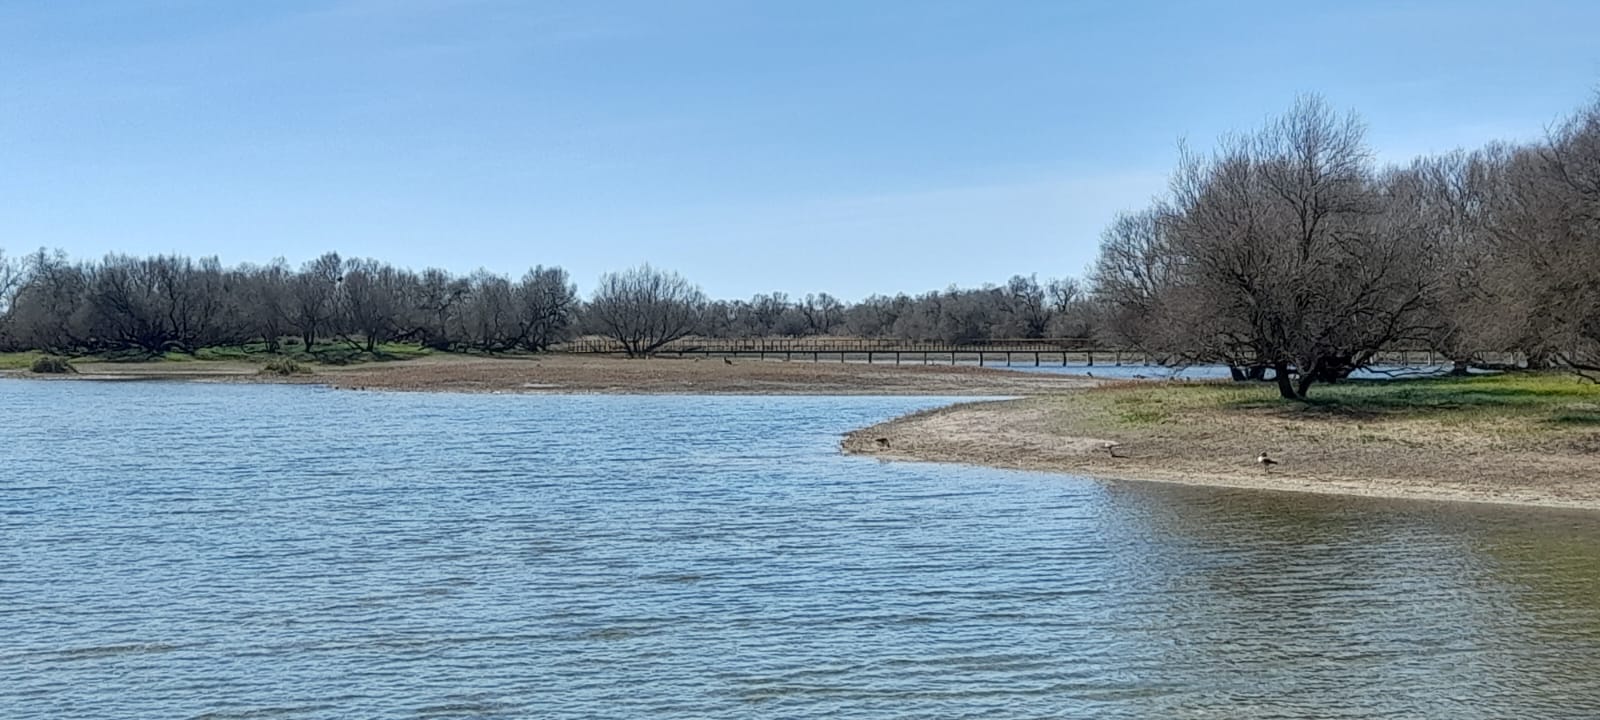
(18, 360)
(1551, 400)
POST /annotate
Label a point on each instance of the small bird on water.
(1265, 462)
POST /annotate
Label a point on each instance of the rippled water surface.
(172, 551)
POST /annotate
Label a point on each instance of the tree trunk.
(1309, 375)
(1285, 386)
(1306, 379)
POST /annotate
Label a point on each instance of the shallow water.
(181, 550)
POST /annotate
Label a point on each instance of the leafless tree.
(372, 304)
(546, 302)
(1279, 249)
(313, 298)
(644, 308)
(13, 273)
(822, 312)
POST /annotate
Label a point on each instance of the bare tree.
(50, 310)
(1281, 249)
(644, 308)
(546, 302)
(11, 277)
(266, 295)
(13, 274)
(822, 312)
(439, 298)
(313, 298)
(1134, 274)
(372, 304)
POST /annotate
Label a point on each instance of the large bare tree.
(644, 308)
(1280, 249)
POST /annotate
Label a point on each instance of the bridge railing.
(842, 345)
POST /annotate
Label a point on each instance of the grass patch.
(1529, 400)
(18, 360)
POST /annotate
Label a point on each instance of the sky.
(852, 147)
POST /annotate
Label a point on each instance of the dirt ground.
(613, 375)
(1404, 460)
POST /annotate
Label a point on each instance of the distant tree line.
(1288, 253)
(170, 303)
(176, 304)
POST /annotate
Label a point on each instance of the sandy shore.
(612, 375)
(1044, 434)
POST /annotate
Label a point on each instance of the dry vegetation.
(1524, 438)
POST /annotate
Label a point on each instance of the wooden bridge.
(1034, 352)
(1020, 351)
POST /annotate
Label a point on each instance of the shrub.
(284, 366)
(52, 365)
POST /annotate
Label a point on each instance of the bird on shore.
(1265, 462)
(1111, 448)
(728, 361)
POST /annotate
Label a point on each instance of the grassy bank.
(1528, 438)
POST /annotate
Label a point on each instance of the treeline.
(172, 303)
(1021, 308)
(1288, 252)
(176, 304)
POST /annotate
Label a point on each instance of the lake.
(229, 551)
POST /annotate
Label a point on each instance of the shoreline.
(588, 375)
(1006, 434)
(1054, 423)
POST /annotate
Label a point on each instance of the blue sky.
(852, 147)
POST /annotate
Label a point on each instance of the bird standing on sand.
(728, 360)
(1265, 462)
